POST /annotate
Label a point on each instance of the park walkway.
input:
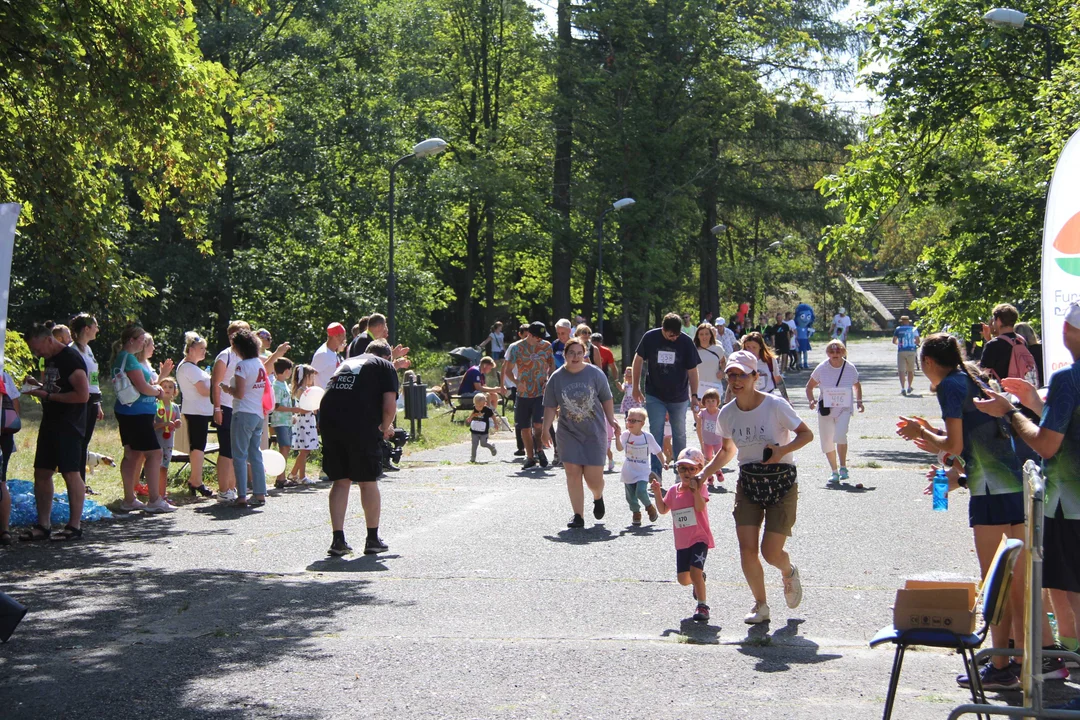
(486, 605)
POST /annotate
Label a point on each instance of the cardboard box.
(936, 606)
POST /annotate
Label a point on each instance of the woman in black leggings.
(84, 329)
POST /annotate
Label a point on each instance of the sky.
(856, 99)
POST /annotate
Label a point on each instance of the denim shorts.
(283, 433)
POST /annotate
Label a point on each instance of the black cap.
(537, 328)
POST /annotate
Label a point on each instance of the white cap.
(563, 323)
(743, 360)
(843, 311)
(721, 321)
(1072, 315)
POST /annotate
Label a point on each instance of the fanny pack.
(764, 484)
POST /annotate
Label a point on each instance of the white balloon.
(273, 462)
(310, 399)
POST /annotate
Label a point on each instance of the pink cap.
(335, 328)
(691, 456)
(743, 360)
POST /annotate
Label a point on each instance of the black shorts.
(137, 432)
(528, 412)
(61, 451)
(1004, 509)
(1061, 568)
(345, 458)
(224, 434)
(783, 347)
(693, 556)
(197, 428)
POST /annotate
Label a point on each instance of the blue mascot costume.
(804, 328)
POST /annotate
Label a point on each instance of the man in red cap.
(327, 357)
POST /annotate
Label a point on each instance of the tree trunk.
(709, 283)
(561, 237)
(490, 310)
(472, 255)
(588, 297)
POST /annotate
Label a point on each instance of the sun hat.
(743, 360)
(842, 311)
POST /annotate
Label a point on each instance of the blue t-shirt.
(146, 404)
(669, 361)
(908, 335)
(1061, 413)
(989, 455)
(557, 348)
(468, 383)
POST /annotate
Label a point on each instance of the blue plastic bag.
(24, 507)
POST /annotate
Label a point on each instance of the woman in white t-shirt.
(712, 355)
(840, 390)
(768, 377)
(758, 428)
(249, 384)
(196, 407)
(84, 329)
(222, 373)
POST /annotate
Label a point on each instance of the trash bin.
(415, 403)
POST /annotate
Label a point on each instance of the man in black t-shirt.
(997, 352)
(64, 393)
(356, 415)
(781, 335)
(672, 382)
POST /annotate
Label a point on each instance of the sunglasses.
(630, 421)
(736, 376)
(689, 469)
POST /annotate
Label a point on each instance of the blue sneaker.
(834, 478)
(843, 473)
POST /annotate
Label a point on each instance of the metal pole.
(1049, 69)
(391, 278)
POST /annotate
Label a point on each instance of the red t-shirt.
(607, 358)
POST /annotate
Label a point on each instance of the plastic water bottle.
(941, 491)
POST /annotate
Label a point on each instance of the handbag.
(822, 410)
(765, 484)
(126, 393)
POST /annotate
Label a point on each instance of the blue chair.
(994, 594)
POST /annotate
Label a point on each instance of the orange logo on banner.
(1067, 242)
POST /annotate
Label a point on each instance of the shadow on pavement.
(641, 530)
(778, 652)
(848, 487)
(126, 642)
(360, 563)
(696, 633)
(903, 457)
(583, 536)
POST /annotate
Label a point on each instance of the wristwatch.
(1012, 412)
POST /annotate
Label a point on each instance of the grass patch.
(436, 431)
(873, 464)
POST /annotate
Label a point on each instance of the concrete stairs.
(887, 301)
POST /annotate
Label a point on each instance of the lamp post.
(617, 205)
(1007, 17)
(427, 148)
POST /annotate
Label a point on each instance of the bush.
(18, 360)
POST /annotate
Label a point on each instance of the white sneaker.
(793, 588)
(611, 466)
(227, 496)
(159, 506)
(758, 614)
(309, 480)
(132, 506)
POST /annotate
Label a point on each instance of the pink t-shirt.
(710, 433)
(690, 526)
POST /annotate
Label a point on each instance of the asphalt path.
(487, 605)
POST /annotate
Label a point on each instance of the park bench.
(455, 403)
(182, 449)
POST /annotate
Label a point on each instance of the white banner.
(9, 216)
(1061, 255)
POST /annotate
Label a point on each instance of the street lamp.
(1009, 18)
(617, 205)
(427, 148)
(717, 229)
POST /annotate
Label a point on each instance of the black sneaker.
(576, 522)
(519, 453)
(598, 508)
(993, 678)
(543, 459)
(702, 614)
(375, 547)
(337, 549)
(530, 463)
(1053, 667)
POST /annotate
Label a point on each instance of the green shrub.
(18, 360)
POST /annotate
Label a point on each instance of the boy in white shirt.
(638, 445)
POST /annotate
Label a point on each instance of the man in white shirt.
(840, 325)
(326, 359)
(725, 336)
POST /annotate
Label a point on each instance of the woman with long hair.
(222, 373)
(712, 355)
(985, 462)
(768, 377)
(84, 329)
